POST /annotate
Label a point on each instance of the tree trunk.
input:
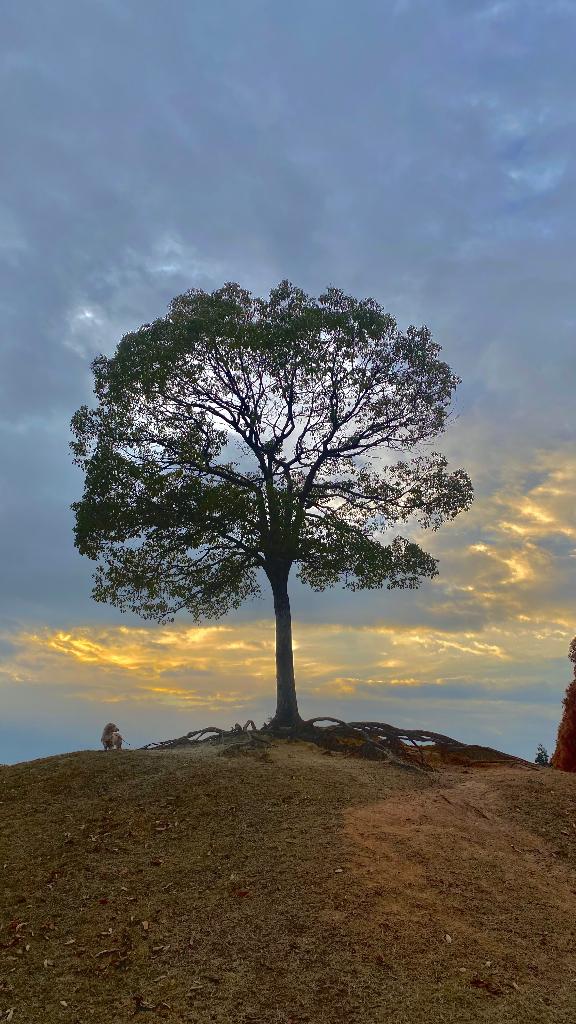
(287, 706)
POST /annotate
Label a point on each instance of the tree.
(564, 757)
(541, 755)
(238, 434)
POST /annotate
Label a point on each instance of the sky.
(418, 153)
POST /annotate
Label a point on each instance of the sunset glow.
(266, 144)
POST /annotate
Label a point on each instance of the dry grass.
(296, 887)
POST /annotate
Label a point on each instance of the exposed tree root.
(411, 749)
(239, 737)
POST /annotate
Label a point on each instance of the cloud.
(513, 554)
(255, 142)
(494, 627)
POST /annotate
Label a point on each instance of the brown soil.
(287, 887)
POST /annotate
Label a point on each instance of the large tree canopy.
(238, 434)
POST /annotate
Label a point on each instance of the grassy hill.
(289, 887)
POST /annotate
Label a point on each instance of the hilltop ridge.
(287, 886)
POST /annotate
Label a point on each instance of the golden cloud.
(234, 665)
(510, 558)
(499, 613)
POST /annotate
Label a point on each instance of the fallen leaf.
(488, 986)
(145, 925)
(141, 1003)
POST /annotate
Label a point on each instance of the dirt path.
(470, 897)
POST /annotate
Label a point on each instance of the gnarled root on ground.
(239, 737)
(412, 749)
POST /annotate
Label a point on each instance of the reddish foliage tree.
(564, 756)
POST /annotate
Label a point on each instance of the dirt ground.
(286, 888)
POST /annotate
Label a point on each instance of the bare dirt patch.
(475, 907)
(289, 886)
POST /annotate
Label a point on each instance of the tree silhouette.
(237, 434)
(542, 755)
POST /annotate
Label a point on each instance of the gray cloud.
(421, 153)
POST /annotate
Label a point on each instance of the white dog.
(108, 734)
(117, 740)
